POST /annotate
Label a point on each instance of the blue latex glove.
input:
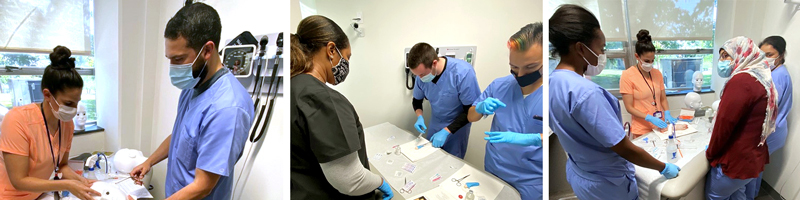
(670, 170)
(472, 184)
(420, 125)
(669, 118)
(387, 190)
(523, 139)
(656, 121)
(488, 106)
(439, 138)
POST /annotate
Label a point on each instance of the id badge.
(56, 176)
(658, 114)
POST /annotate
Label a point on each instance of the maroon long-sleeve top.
(737, 130)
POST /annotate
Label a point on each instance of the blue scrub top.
(210, 132)
(456, 87)
(783, 84)
(587, 120)
(518, 165)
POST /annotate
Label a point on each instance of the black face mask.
(527, 79)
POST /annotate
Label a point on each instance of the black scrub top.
(325, 127)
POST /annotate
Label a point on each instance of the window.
(28, 34)
(679, 59)
(683, 34)
(609, 78)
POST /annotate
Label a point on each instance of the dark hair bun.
(60, 58)
(188, 2)
(644, 36)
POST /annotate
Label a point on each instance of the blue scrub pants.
(751, 189)
(721, 187)
(601, 189)
(529, 191)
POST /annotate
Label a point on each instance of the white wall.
(137, 104)
(87, 143)
(121, 46)
(376, 83)
(106, 72)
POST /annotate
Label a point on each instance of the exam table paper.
(651, 182)
(409, 149)
(486, 189)
(126, 186)
(382, 137)
(136, 191)
(435, 194)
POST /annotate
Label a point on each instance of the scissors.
(458, 181)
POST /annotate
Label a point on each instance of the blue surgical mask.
(428, 78)
(181, 74)
(724, 68)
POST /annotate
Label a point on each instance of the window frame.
(9, 70)
(629, 50)
(38, 71)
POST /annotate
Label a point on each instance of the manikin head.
(697, 79)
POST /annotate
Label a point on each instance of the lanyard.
(55, 162)
(652, 89)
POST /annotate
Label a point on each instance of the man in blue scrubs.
(215, 111)
(451, 87)
(514, 148)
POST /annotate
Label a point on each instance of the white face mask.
(594, 70)
(647, 66)
(64, 113)
(771, 62)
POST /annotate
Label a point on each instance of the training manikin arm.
(417, 105)
(460, 121)
(349, 177)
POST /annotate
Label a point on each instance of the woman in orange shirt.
(36, 138)
(643, 92)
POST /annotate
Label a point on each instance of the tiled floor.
(762, 195)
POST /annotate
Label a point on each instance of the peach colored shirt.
(23, 133)
(633, 83)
